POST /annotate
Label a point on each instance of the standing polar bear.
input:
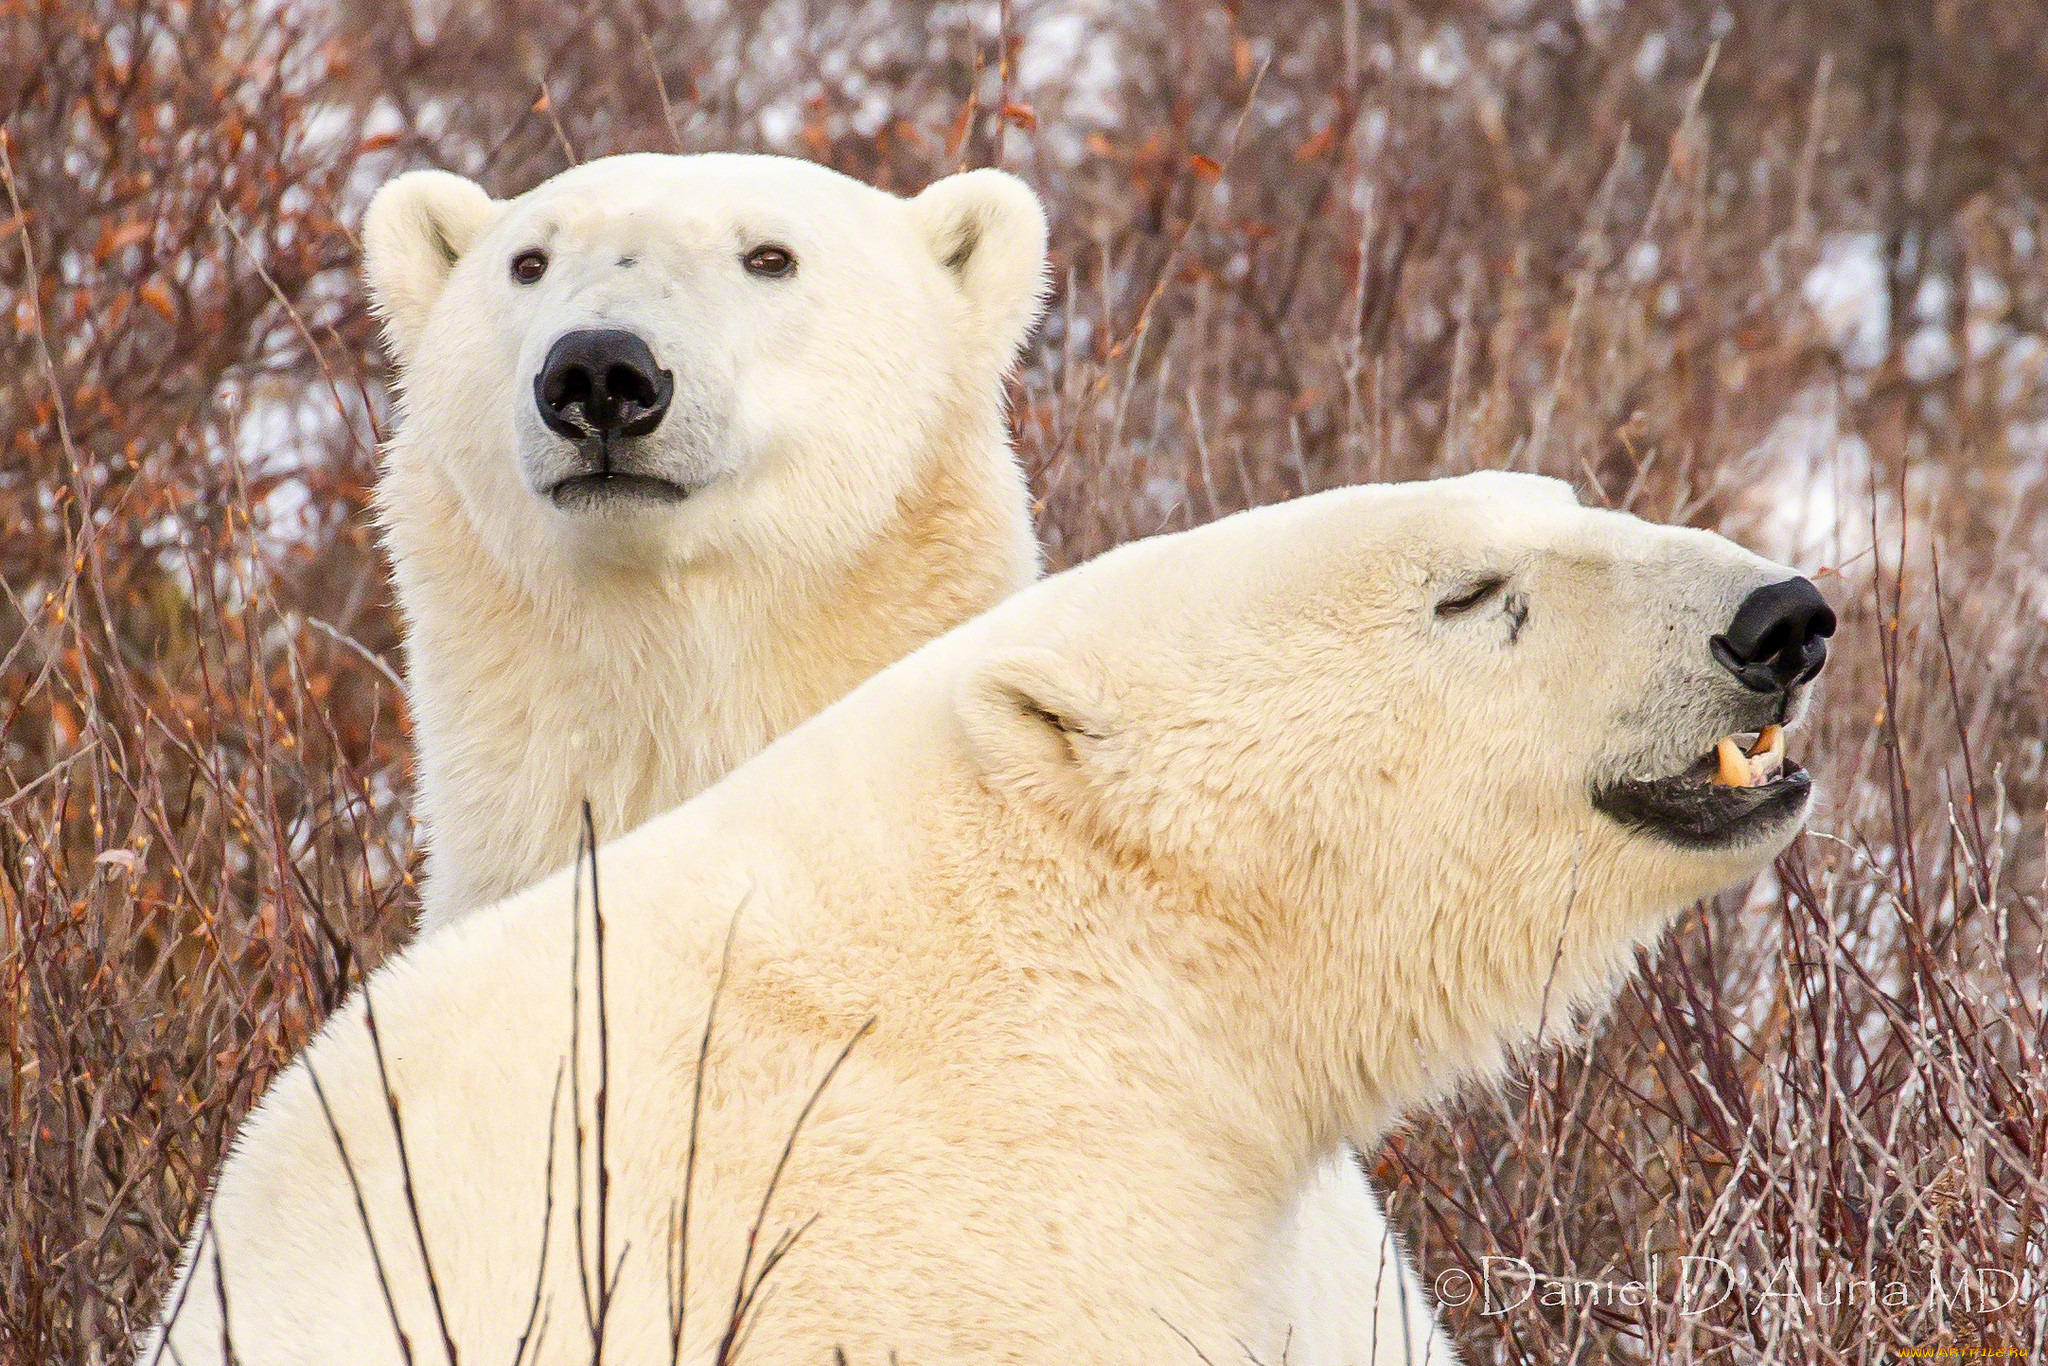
(1117, 909)
(690, 447)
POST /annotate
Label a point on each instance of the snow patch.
(1808, 489)
(1929, 355)
(1848, 293)
(1441, 61)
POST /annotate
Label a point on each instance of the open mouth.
(602, 488)
(1741, 791)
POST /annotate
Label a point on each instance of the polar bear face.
(652, 359)
(1466, 736)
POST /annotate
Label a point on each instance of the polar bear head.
(651, 359)
(1441, 756)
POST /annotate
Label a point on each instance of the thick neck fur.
(639, 692)
(989, 920)
(1268, 1025)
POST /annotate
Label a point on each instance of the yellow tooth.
(1734, 770)
(1767, 757)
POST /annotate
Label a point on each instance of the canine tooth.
(1769, 740)
(1734, 769)
(1767, 758)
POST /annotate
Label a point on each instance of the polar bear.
(1034, 977)
(691, 446)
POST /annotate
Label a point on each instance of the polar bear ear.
(987, 229)
(1035, 719)
(416, 230)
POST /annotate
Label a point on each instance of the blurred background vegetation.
(1775, 268)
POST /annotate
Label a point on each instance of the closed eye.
(1477, 595)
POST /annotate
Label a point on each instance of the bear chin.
(1693, 812)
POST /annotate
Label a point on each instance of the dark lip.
(603, 488)
(1693, 813)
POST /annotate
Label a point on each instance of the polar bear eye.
(1475, 596)
(774, 262)
(529, 265)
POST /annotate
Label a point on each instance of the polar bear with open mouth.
(691, 446)
(1037, 972)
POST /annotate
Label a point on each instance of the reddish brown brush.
(1573, 237)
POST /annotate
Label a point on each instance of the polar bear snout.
(1779, 637)
(602, 390)
(602, 384)
(1743, 790)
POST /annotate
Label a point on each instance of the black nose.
(602, 382)
(1779, 638)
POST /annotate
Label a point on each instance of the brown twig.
(743, 1292)
(412, 1206)
(362, 1214)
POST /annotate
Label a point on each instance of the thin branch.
(547, 1215)
(668, 113)
(749, 1311)
(678, 1299)
(362, 651)
(220, 1290)
(1199, 1353)
(741, 1292)
(590, 1304)
(184, 1287)
(546, 105)
(299, 324)
(412, 1206)
(362, 1214)
(1144, 318)
(35, 306)
(602, 1102)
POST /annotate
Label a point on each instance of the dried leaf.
(1317, 147)
(158, 297)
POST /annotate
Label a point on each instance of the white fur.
(1157, 881)
(842, 430)
(861, 499)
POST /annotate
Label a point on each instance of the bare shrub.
(1771, 268)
